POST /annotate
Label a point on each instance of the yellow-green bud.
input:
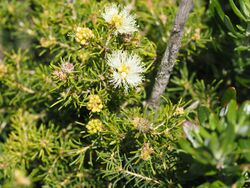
(94, 126)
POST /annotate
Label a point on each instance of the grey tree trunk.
(169, 58)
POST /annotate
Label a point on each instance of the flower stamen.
(116, 20)
(123, 70)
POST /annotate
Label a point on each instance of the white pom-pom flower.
(122, 20)
(127, 69)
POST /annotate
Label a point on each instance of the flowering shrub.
(75, 77)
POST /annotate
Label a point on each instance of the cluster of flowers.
(63, 72)
(95, 103)
(83, 35)
(126, 68)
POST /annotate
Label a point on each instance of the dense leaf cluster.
(64, 123)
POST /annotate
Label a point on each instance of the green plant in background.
(74, 78)
(218, 144)
(196, 90)
(242, 30)
(72, 110)
(239, 31)
(156, 17)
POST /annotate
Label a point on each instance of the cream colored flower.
(83, 35)
(122, 20)
(60, 75)
(3, 69)
(63, 72)
(197, 34)
(67, 67)
(179, 111)
(46, 42)
(127, 69)
(94, 104)
(94, 126)
(142, 124)
(146, 152)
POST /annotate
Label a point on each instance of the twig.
(1, 54)
(139, 176)
(23, 88)
(1, 49)
(169, 58)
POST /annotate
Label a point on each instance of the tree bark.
(170, 54)
(1, 54)
(1, 49)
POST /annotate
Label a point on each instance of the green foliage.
(239, 31)
(219, 145)
(67, 121)
(194, 89)
(242, 31)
